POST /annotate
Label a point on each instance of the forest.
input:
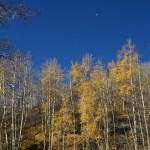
(86, 107)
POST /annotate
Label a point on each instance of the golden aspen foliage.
(51, 73)
(63, 121)
(98, 77)
(44, 106)
(76, 72)
(82, 72)
(125, 69)
(88, 110)
(64, 116)
(51, 78)
(88, 97)
(87, 61)
(89, 90)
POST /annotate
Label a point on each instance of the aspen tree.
(4, 98)
(51, 78)
(73, 104)
(98, 81)
(13, 84)
(63, 121)
(2, 101)
(144, 107)
(25, 91)
(125, 70)
(87, 110)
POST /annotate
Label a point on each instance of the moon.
(96, 14)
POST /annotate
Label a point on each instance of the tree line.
(86, 107)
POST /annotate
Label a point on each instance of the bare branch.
(10, 11)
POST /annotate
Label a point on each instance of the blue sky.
(67, 29)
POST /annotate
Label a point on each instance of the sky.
(67, 29)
